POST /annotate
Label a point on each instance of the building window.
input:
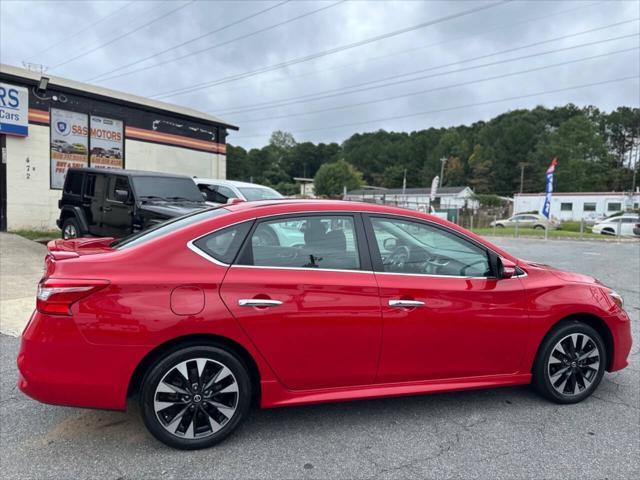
(566, 207)
(614, 207)
(589, 207)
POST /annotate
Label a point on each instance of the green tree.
(331, 178)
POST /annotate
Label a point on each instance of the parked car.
(117, 203)
(198, 319)
(624, 225)
(61, 146)
(223, 191)
(636, 229)
(527, 220)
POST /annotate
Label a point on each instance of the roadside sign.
(14, 110)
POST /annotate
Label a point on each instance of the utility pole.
(404, 182)
(522, 165)
(443, 160)
(635, 168)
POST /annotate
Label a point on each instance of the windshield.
(166, 188)
(166, 227)
(259, 193)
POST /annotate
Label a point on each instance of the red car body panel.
(335, 339)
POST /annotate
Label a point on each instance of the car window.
(305, 242)
(259, 193)
(118, 183)
(226, 192)
(168, 226)
(412, 247)
(73, 183)
(224, 244)
(167, 187)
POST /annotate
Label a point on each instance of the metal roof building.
(49, 124)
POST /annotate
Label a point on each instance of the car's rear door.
(117, 216)
(303, 290)
(445, 315)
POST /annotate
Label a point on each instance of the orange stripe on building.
(171, 139)
(38, 116)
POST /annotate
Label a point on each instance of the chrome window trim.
(208, 257)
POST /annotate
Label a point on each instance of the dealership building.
(49, 124)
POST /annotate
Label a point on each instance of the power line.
(458, 107)
(445, 87)
(200, 86)
(360, 87)
(211, 47)
(83, 30)
(126, 34)
(397, 53)
(195, 39)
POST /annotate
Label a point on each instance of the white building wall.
(31, 204)
(603, 205)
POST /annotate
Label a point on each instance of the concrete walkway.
(21, 267)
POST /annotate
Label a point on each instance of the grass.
(37, 234)
(539, 233)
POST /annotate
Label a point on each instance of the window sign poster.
(69, 144)
(106, 143)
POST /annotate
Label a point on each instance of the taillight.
(55, 295)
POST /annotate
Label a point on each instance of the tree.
(331, 178)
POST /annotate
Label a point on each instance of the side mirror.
(122, 196)
(390, 243)
(204, 195)
(507, 268)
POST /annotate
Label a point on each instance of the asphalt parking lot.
(504, 433)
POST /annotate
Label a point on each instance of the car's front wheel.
(570, 363)
(194, 397)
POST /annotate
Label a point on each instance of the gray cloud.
(28, 28)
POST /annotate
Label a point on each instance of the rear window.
(223, 245)
(169, 226)
(73, 183)
(259, 193)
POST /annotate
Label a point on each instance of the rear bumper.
(58, 366)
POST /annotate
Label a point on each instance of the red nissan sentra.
(296, 302)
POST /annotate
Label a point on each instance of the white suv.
(222, 191)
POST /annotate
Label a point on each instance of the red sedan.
(295, 302)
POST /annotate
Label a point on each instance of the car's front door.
(303, 290)
(117, 211)
(445, 314)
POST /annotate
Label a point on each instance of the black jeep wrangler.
(117, 203)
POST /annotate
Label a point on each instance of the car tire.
(607, 231)
(195, 397)
(71, 228)
(570, 363)
(538, 227)
(499, 225)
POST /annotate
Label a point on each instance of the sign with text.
(107, 142)
(69, 144)
(14, 110)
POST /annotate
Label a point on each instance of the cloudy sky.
(324, 70)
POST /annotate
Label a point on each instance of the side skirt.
(274, 395)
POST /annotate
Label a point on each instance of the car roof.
(127, 172)
(235, 183)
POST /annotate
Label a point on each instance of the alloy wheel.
(573, 364)
(69, 232)
(196, 398)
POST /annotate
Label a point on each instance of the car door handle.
(106, 209)
(406, 303)
(258, 302)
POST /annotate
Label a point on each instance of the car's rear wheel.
(70, 228)
(570, 363)
(538, 227)
(194, 397)
(499, 225)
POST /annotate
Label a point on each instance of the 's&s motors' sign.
(14, 110)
